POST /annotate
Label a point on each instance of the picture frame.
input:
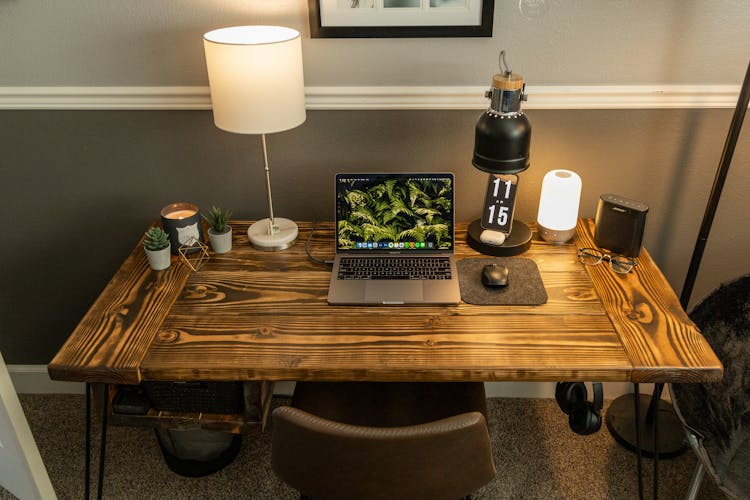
(400, 18)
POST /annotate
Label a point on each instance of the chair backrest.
(718, 412)
(22, 471)
(445, 459)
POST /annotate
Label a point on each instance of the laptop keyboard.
(395, 268)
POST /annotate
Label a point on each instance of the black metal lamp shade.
(501, 143)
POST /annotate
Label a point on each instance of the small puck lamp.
(257, 87)
(501, 148)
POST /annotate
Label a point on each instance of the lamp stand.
(273, 233)
(517, 241)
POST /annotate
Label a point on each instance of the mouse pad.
(525, 286)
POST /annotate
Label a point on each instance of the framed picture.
(400, 18)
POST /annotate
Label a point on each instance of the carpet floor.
(536, 454)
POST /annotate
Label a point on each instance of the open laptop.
(395, 240)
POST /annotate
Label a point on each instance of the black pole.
(713, 201)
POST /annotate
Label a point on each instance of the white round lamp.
(257, 87)
(558, 206)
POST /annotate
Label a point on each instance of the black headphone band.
(598, 396)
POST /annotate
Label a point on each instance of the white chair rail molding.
(380, 97)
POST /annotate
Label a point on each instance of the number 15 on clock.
(499, 203)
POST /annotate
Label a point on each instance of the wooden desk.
(252, 315)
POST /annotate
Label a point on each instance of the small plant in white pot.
(157, 249)
(219, 232)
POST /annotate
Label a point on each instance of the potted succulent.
(157, 248)
(220, 232)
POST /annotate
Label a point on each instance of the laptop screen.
(394, 212)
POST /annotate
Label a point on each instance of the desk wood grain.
(658, 336)
(250, 315)
(111, 340)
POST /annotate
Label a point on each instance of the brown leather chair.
(369, 440)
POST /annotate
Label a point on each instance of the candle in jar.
(180, 214)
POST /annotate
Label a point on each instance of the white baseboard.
(379, 98)
(33, 379)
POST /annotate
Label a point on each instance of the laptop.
(395, 240)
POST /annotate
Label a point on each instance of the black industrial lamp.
(501, 148)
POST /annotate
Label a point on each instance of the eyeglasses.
(618, 263)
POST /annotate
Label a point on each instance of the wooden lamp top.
(507, 81)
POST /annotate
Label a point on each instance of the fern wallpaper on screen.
(395, 210)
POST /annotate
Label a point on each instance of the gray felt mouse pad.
(525, 286)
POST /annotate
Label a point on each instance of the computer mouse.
(494, 275)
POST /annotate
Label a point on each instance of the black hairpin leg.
(620, 420)
(87, 480)
(658, 388)
(639, 459)
(103, 449)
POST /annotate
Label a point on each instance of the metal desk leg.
(639, 459)
(103, 449)
(87, 480)
(658, 388)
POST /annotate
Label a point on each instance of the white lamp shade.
(558, 205)
(256, 79)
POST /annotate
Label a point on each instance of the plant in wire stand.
(219, 232)
(156, 244)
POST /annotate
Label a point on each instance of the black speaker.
(619, 224)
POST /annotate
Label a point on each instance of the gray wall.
(79, 187)
(570, 42)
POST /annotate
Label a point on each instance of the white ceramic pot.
(220, 242)
(159, 259)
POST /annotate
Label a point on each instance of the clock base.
(517, 242)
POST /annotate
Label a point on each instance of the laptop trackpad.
(394, 291)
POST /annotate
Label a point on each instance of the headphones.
(583, 417)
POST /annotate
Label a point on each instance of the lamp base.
(517, 242)
(620, 420)
(261, 239)
(556, 236)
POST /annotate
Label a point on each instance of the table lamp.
(558, 206)
(501, 148)
(257, 87)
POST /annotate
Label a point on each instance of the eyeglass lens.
(620, 264)
(589, 256)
